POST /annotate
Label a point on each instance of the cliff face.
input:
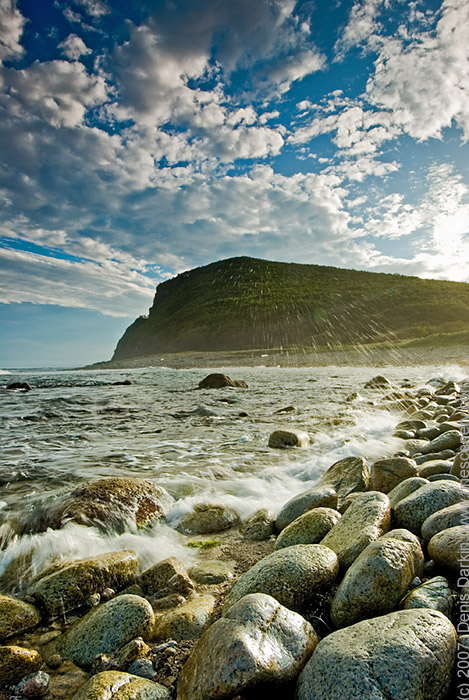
(245, 303)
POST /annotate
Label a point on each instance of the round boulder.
(309, 528)
(447, 548)
(208, 517)
(405, 488)
(318, 496)
(457, 514)
(292, 576)
(257, 642)
(386, 474)
(412, 511)
(16, 616)
(407, 654)
(434, 594)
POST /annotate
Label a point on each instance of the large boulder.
(106, 629)
(318, 496)
(457, 514)
(377, 579)
(216, 380)
(207, 518)
(347, 476)
(117, 685)
(293, 576)
(413, 510)
(70, 586)
(448, 548)
(309, 528)
(16, 616)
(17, 662)
(386, 474)
(112, 504)
(257, 642)
(366, 519)
(407, 655)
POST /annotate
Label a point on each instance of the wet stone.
(318, 496)
(309, 528)
(34, 685)
(207, 518)
(259, 526)
(187, 621)
(120, 660)
(288, 437)
(347, 476)
(386, 474)
(211, 571)
(457, 514)
(435, 466)
(405, 488)
(17, 662)
(445, 548)
(166, 578)
(117, 685)
(412, 511)
(216, 380)
(16, 616)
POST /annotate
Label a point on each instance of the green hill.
(246, 303)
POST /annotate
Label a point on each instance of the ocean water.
(200, 445)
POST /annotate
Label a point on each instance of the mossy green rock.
(346, 476)
(17, 662)
(106, 629)
(386, 474)
(16, 616)
(187, 621)
(434, 594)
(366, 519)
(316, 497)
(69, 586)
(257, 643)
(377, 580)
(259, 526)
(117, 685)
(447, 548)
(405, 488)
(208, 517)
(412, 511)
(309, 528)
(292, 576)
(407, 655)
(113, 504)
(454, 515)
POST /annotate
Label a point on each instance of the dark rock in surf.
(218, 381)
(125, 382)
(112, 504)
(378, 382)
(24, 386)
(289, 437)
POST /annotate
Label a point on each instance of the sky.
(142, 139)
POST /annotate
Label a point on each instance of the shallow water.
(200, 445)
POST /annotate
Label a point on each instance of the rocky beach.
(312, 549)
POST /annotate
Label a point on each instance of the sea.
(202, 446)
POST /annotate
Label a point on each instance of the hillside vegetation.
(246, 303)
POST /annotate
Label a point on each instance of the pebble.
(35, 685)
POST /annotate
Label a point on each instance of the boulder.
(408, 654)
(71, 585)
(457, 514)
(116, 685)
(211, 571)
(461, 464)
(377, 579)
(292, 576)
(378, 382)
(318, 496)
(112, 504)
(412, 511)
(218, 381)
(386, 474)
(24, 386)
(16, 616)
(443, 477)
(17, 662)
(257, 642)
(405, 488)
(446, 441)
(187, 621)
(435, 594)
(432, 456)
(106, 629)
(346, 476)
(289, 437)
(435, 466)
(415, 446)
(448, 548)
(165, 578)
(368, 517)
(309, 528)
(208, 517)
(259, 526)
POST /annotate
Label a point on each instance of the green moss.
(203, 544)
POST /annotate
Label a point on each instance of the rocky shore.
(356, 588)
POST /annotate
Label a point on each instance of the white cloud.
(95, 8)
(73, 47)
(11, 29)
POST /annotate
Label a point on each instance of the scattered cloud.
(73, 47)
(11, 29)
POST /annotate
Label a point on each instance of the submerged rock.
(257, 642)
(71, 585)
(208, 517)
(112, 504)
(377, 579)
(407, 654)
(17, 662)
(16, 616)
(316, 497)
(289, 437)
(346, 476)
(309, 528)
(116, 685)
(366, 519)
(292, 576)
(218, 381)
(106, 629)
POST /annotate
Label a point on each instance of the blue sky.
(139, 140)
